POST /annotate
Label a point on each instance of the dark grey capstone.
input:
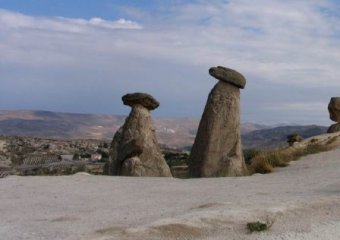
(228, 75)
(144, 99)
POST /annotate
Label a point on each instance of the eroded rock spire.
(217, 150)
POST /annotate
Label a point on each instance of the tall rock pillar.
(217, 150)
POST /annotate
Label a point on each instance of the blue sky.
(107, 9)
(82, 56)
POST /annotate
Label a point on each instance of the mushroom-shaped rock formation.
(334, 109)
(334, 114)
(217, 150)
(134, 148)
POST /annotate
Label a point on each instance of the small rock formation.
(134, 148)
(334, 109)
(334, 128)
(334, 114)
(294, 138)
(217, 150)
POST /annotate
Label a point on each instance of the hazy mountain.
(248, 127)
(58, 125)
(275, 137)
(173, 132)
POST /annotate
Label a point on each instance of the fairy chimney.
(217, 150)
(134, 148)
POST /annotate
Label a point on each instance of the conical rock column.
(217, 150)
(134, 148)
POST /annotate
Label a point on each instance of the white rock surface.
(302, 201)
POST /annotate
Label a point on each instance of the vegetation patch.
(258, 226)
(293, 138)
(265, 161)
(332, 140)
(176, 158)
(260, 164)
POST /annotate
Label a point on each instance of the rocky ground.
(301, 201)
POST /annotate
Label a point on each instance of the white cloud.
(11, 20)
(99, 22)
(293, 42)
(289, 43)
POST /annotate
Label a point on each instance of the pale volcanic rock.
(217, 150)
(301, 202)
(134, 148)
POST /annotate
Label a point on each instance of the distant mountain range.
(277, 136)
(173, 132)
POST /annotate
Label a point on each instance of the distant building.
(67, 157)
(41, 159)
(96, 157)
(2, 145)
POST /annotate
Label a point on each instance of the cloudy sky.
(83, 55)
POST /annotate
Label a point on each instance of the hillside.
(58, 125)
(173, 132)
(277, 137)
